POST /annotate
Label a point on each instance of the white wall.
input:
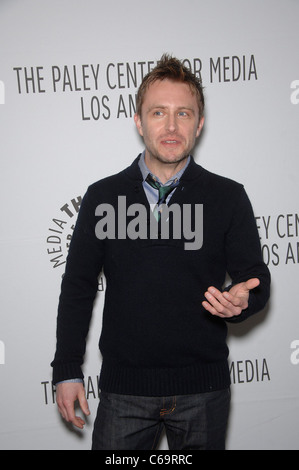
(66, 121)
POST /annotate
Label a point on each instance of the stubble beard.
(171, 161)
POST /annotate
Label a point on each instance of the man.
(163, 339)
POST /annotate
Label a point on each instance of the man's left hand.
(231, 303)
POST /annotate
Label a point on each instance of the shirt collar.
(145, 171)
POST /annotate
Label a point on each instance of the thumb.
(252, 283)
(83, 403)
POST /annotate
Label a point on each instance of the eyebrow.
(157, 106)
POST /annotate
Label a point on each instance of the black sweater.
(156, 338)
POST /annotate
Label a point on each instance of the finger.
(83, 403)
(78, 422)
(74, 419)
(62, 411)
(214, 306)
(233, 299)
(218, 299)
(217, 294)
(211, 309)
(215, 312)
(67, 411)
(219, 305)
(252, 283)
(62, 408)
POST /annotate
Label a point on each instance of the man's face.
(169, 121)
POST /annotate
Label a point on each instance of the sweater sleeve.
(78, 291)
(244, 256)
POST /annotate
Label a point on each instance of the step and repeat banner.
(69, 72)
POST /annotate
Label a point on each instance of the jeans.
(191, 422)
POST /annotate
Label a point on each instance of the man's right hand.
(66, 395)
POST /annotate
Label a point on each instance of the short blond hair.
(169, 67)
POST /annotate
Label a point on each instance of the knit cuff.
(63, 372)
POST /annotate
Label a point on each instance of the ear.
(200, 126)
(137, 120)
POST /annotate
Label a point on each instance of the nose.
(171, 123)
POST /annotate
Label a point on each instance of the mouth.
(170, 142)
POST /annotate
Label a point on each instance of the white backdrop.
(68, 76)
